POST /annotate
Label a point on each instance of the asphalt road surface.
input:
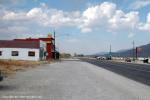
(137, 72)
(71, 80)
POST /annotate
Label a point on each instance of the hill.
(144, 52)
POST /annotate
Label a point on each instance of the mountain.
(100, 53)
(144, 52)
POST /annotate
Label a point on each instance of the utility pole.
(133, 51)
(136, 52)
(110, 51)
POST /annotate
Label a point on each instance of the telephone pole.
(110, 57)
(110, 51)
(133, 51)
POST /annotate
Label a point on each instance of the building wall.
(23, 54)
(48, 42)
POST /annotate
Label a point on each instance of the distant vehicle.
(1, 76)
(128, 60)
(109, 57)
(103, 58)
(100, 58)
(145, 60)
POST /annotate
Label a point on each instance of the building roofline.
(19, 44)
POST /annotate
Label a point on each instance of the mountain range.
(143, 52)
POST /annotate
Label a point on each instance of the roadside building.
(22, 50)
(49, 41)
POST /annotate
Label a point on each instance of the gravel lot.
(71, 80)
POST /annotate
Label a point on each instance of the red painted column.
(49, 51)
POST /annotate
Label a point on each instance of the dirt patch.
(9, 67)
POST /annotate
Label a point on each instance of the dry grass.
(12, 66)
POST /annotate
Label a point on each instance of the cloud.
(145, 26)
(131, 35)
(86, 30)
(105, 16)
(35, 12)
(53, 17)
(121, 21)
(139, 4)
(97, 16)
(10, 15)
(86, 20)
(148, 18)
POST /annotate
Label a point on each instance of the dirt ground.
(9, 67)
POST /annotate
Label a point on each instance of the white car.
(98, 58)
(101, 58)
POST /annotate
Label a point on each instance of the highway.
(137, 72)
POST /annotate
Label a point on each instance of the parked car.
(128, 60)
(109, 57)
(101, 58)
(98, 58)
(145, 61)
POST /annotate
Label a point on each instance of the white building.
(22, 50)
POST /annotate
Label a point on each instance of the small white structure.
(22, 50)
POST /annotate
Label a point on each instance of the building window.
(15, 53)
(31, 53)
(0, 53)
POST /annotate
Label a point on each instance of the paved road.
(71, 80)
(137, 72)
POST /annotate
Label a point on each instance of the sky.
(81, 26)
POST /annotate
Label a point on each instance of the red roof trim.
(19, 44)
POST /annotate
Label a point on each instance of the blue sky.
(82, 26)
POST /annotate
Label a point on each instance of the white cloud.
(60, 19)
(122, 21)
(104, 16)
(148, 18)
(86, 30)
(131, 35)
(139, 4)
(35, 12)
(145, 26)
(54, 17)
(107, 17)
(97, 15)
(10, 15)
